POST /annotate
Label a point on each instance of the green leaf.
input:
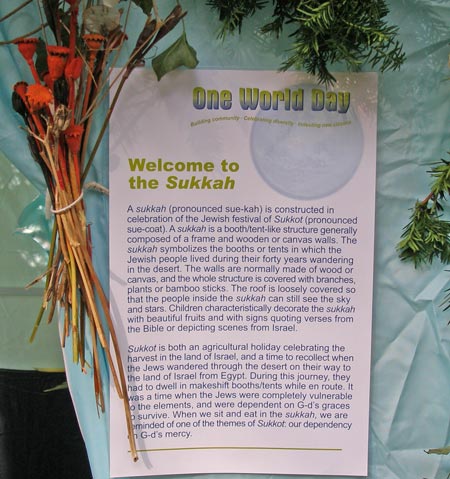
(63, 385)
(178, 54)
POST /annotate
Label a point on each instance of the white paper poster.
(241, 244)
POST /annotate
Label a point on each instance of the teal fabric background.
(410, 355)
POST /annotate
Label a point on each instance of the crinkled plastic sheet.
(23, 237)
(410, 368)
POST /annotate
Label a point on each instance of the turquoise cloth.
(411, 366)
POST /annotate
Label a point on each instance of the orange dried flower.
(74, 135)
(38, 96)
(56, 60)
(94, 41)
(27, 47)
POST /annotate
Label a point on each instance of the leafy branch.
(427, 235)
(323, 32)
(233, 13)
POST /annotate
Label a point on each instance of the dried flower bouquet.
(70, 64)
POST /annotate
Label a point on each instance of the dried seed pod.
(61, 119)
(170, 22)
(74, 68)
(143, 41)
(94, 41)
(74, 135)
(27, 47)
(56, 60)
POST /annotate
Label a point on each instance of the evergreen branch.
(440, 188)
(282, 13)
(325, 32)
(427, 235)
(232, 13)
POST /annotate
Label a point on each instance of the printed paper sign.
(241, 244)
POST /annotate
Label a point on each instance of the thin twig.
(28, 34)
(50, 266)
(103, 129)
(124, 74)
(429, 197)
(42, 23)
(12, 12)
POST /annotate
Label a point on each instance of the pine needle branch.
(352, 32)
(427, 235)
